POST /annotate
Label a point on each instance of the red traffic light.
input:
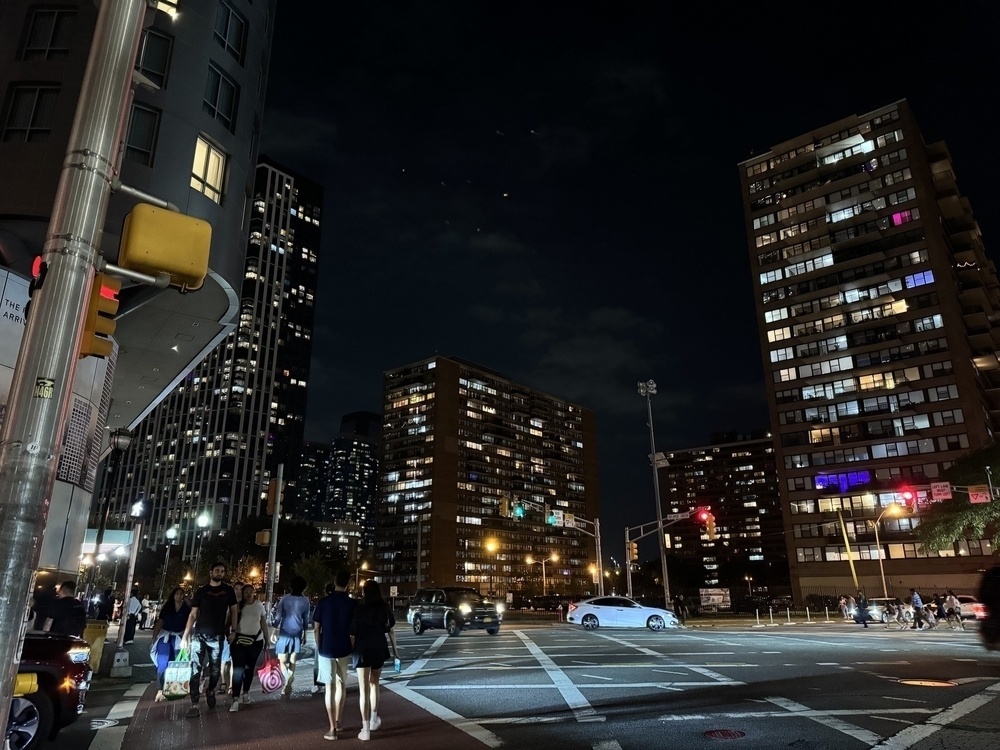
(908, 495)
(703, 515)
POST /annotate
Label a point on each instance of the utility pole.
(40, 393)
(648, 390)
(272, 553)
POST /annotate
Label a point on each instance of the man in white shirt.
(132, 609)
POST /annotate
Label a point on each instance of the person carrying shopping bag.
(291, 621)
(167, 632)
(251, 636)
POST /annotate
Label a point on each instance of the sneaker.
(234, 707)
(210, 700)
(193, 713)
(317, 689)
(364, 734)
(375, 723)
(330, 735)
(245, 699)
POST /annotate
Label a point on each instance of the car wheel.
(418, 626)
(590, 622)
(30, 721)
(451, 625)
(908, 616)
(655, 623)
(492, 631)
(885, 618)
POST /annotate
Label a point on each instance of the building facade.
(459, 442)
(736, 477)
(877, 309)
(211, 446)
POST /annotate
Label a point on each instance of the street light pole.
(357, 575)
(648, 389)
(892, 509)
(847, 544)
(202, 521)
(171, 536)
(120, 439)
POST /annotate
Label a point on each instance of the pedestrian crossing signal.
(99, 321)
(519, 511)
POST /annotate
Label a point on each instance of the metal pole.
(600, 557)
(847, 544)
(420, 531)
(647, 389)
(878, 547)
(41, 390)
(123, 617)
(272, 553)
(628, 569)
(163, 578)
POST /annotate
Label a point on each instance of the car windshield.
(469, 597)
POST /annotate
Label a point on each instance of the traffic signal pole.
(39, 400)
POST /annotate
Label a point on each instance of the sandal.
(159, 697)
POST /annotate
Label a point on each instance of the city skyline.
(541, 197)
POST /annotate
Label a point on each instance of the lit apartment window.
(140, 141)
(154, 56)
(208, 170)
(221, 94)
(168, 6)
(30, 113)
(230, 31)
(48, 35)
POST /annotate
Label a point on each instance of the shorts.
(368, 660)
(288, 644)
(328, 666)
(226, 656)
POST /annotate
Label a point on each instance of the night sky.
(550, 189)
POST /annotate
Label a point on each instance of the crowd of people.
(939, 609)
(225, 630)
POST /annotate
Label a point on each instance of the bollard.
(807, 615)
(771, 612)
(788, 611)
(758, 618)
(827, 613)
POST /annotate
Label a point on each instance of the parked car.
(455, 609)
(550, 602)
(619, 612)
(62, 674)
(878, 610)
(972, 608)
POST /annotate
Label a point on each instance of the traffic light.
(99, 323)
(519, 511)
(909, 497)
(38, 270)
(633, 551)
(550, 517)
(505, 506)
(710, 526)
(263, 538)
(272, 496)
(702, 516)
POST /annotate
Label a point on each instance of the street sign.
(558, 517)
(940, 491)
(979, 493)
(677, 516)
(394, 591)
(569, 520)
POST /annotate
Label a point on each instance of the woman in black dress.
(373, 621)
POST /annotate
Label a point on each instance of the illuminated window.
(168, 6)
(208, 170)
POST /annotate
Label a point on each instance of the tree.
(317, 573)
(944, 523)
(295, 541)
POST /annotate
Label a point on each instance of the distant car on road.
(62, 674)
(619, 612)
(879, 612)
(455, 609)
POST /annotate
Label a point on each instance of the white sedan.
(619, 612)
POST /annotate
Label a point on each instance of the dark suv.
(453, 608)
(60, 666)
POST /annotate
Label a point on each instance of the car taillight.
(572, 607)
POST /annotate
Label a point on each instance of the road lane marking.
(421, 662)
(713, 675)
(589, 686)
(607, 745)
(890, 718)
(596, 677)
(111, 738)
(456, 720)
(668, 671)
(807, 714)
(910, 736)
(831, 722)
(571, 693)
(894, 698)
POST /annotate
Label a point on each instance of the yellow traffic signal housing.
(263, 538)
(99, 321)
(633, 551)
(272, 496)
(710, 527)
(155, 240)
(505, 506)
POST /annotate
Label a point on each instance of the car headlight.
(464, 609)
(79, 654)
(501, 608)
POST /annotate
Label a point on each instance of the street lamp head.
(203, 521)
(138, 509)
(648, 388)
(530, 560)
(102, 557)
(121, 552)
(172, 533)
(121, 439)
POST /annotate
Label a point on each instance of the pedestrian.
(953, 609)
(132, 609)
(291, 621)
(852, 607)
(65, 614)
(226, 681)
(105, 606)
(213, 620)
(251, 638)
(862, 610)
(372, 622)
(842, 606)
(168, 630)
(144, 613)
(918, 610)
(332, 630)
(989, 595)
(680, 609)
(901, 614)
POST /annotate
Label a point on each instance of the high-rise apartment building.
(877, 308)
(458, 442)
(735, 476)
(211, 446)
(189, 139)
(339, 483)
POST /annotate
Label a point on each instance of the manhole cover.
(96, 724)
(928, 683)
(724, 734)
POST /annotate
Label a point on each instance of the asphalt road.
(826, 685)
